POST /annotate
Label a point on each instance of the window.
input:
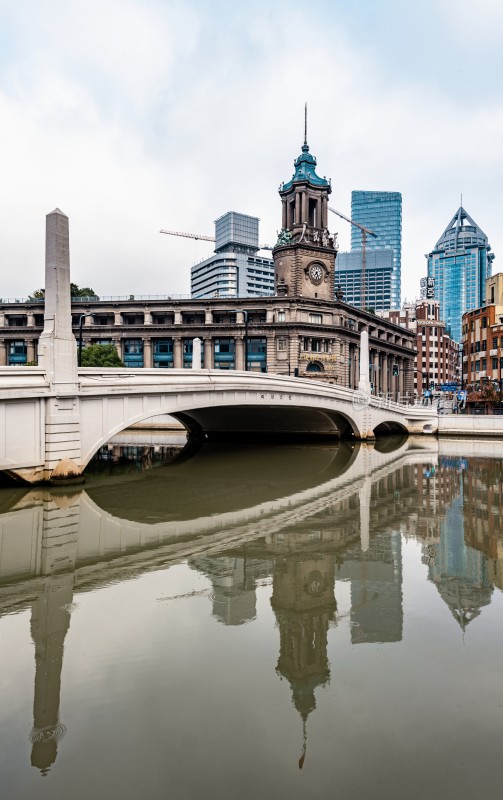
(484, 322)
(282, 344)
(495, 362)
(281, 316)
(316, 318)
(495, 342)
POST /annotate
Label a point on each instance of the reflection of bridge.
(53, 546)
(54, 418)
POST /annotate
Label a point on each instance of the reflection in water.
(299, 518)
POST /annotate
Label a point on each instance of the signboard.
(427, 288)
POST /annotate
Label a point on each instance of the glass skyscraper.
(460, 263)
(381, 212)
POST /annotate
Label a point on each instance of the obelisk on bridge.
(57, 348)
(57, 354)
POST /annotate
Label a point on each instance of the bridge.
(54, 417)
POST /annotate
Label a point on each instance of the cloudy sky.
(132, 115)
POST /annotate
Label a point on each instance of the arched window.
(314, 366)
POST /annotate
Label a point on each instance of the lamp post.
(82, 316)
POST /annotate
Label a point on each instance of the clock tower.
(304, 255)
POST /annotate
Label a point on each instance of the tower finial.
(305, 123)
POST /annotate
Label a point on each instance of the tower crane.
(364, 231)
(204, 238)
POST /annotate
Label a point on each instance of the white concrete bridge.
(54, 417)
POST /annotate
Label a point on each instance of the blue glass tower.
(381, 212)
(460, 263)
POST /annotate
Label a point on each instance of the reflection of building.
(234, 583)
(235, 269)
(460, 263)
(483, 512)
(304, 605)
(376, 589)
(459, 572)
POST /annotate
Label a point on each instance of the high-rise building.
(235, 269)
(459, 264)
(378, 278)
(380, 212)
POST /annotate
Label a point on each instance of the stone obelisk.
(57, 354)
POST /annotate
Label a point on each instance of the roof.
(305, 166)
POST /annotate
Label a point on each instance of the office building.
(235, 269)
(378, 278)
(459, 265)
(380, 212)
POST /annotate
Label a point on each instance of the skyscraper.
(235, 269)
(460, 263)
(380, 212)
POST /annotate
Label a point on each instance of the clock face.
(316, 273)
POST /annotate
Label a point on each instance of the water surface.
(265, 622)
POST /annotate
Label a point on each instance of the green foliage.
(101, 355)
(75, 291)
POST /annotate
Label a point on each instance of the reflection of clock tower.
(304, 255)
(304, 605)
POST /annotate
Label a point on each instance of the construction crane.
(204, 238)
(364, 231)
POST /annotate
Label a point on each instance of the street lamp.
(82, 316)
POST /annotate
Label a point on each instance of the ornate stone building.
(302, 330)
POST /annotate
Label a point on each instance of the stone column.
(196, 353)
(364, 383)
(147, 353)
(177, 353)
(208, 352)
(384, 372)
(208, 316)
(240, 356)
(178, 318)
(377, 373)
(3, 354)
(147, 316)
(2, 319)
(117, 318)
(30, 319)
(30, 350)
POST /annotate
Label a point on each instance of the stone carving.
(284, 237)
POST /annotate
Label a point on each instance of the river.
(258, 622)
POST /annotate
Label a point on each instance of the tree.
(75, 291)
(101, 355)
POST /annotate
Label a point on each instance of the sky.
(136, 115)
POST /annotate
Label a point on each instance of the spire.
(305, 124)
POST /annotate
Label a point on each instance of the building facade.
(459, 264)
(287, 336)
(380, 212)
(235, 269)
(482, 331)
(438, 356)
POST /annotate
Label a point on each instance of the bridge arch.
(226, 420)
(388, 427)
